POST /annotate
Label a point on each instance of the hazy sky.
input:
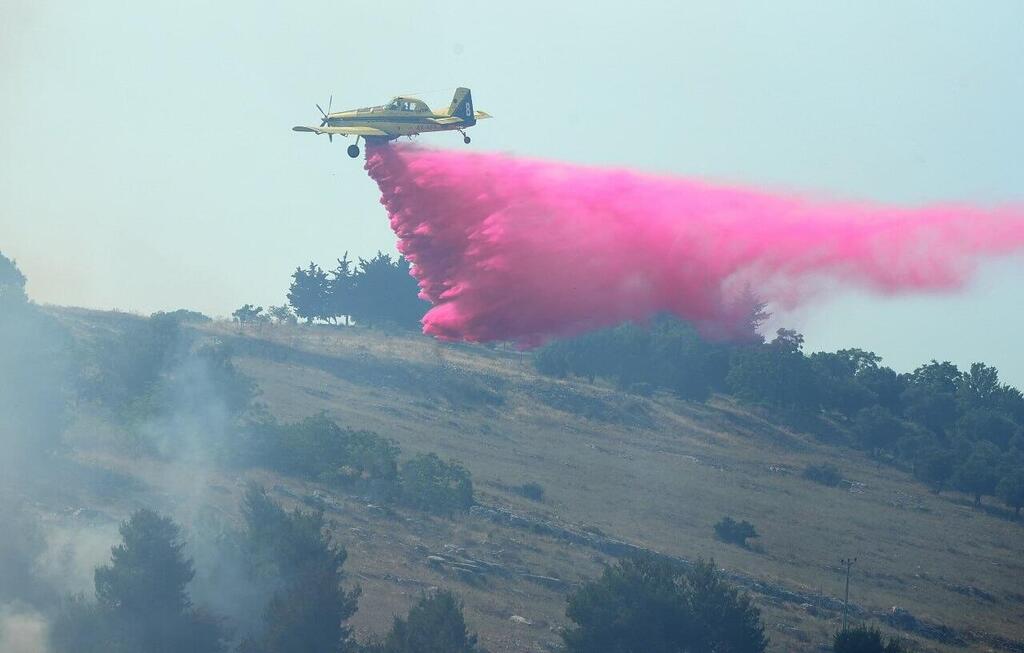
(147, 162)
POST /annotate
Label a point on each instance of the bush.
(309, 607)
(532, 491)
(825, 473)
(735, 532)
(668, 353)
(864, 639)
(652, 604)
(318, 448)
(429, 483)
(141, 599)
(435, 625)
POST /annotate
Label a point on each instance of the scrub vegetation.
(174, 483)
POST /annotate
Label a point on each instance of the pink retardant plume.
(507, 248)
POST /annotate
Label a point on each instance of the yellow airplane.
(403, 116)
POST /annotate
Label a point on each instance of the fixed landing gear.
(353, 151)
(465, 139)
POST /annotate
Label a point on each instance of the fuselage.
(400, 117)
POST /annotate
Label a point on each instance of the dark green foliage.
(825, 473)
(310, 293)
(435, 625)
(864, 639)
(35, 375)
(318, 448)
(379, 291)
(666, 354)
(184, 316)
(307, 614)
(12, 283)
(384, 292)
(935, 466)
(281, 315)
(249, 314)
(1011, 490)
(654, 605)
(431, 484)
(986, 424)
(735, 532)
(876, 429)
(127, 366)
(357, 461)
(141, 598)
(978, 474)
(934, 420)
(532, 491)
(778, 374)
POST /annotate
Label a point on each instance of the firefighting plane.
(402, 116)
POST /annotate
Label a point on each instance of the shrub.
(825, 473)
(652, 604)
(735, 532)
(318, 448)
(429, 483)
(864, 639)
(435, 625)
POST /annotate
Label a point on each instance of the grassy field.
(656, 472)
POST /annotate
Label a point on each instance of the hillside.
(619, 471)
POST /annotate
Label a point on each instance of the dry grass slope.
(655, 472)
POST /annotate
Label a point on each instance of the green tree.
(342, 288)
(141, 599)
(876, 429)
(934, 466)
(777, 374)
(36, 376)
(429, 483)
(12, 284)
(249, 314)
(978, 475)
(652, 605)
(864, 639)
(435, 625)
(308, 613)
(735, 532)
(986, 424)
(281, 315)
(310, 293)
(1011, 490)
(385, 292)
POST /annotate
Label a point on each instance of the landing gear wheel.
(466, 139)
(353, 151)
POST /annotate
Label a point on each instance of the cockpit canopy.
(407, 104)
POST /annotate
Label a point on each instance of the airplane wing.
(344, 131)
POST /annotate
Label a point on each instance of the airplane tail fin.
(462, 105)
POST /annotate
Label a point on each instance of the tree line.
(377, 291)
(953, 429)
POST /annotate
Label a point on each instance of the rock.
(516, 619)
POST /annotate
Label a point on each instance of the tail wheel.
(353, 151)
(466, 139)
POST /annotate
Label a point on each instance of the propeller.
(327, 116)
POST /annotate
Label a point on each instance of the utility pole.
(847, 562)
